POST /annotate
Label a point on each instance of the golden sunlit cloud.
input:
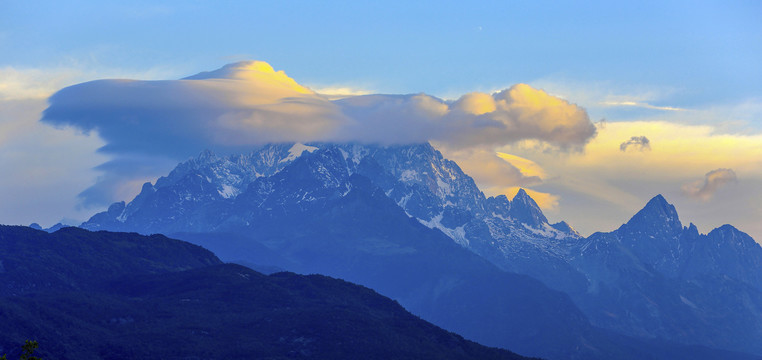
(499, 173)
(527, 167)
(619, 181)
(678, 151)
(249, 103)
(476, 103)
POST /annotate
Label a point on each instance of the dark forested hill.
(93, 295)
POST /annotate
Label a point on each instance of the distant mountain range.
(103, 295)
(410, 224)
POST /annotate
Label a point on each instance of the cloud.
(18, 84)
(641, 105)
(239, 105)
(249, 103)
(476, 103)
(246, 104)
(528, 168)
(493, 171)
(606, 186)
(336, 92)
(499, 173)
(637, 143)
(120, 178)
(475, 119)
(43, 168)
(713, 180)
(39, 83)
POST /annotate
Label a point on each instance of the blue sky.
(707, 51)
(650, 68)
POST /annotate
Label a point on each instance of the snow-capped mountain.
(185, 200)
(325, 212)
(513, 234)
(652, 277)
(199, 193)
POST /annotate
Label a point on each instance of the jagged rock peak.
(658, 214)
(526, 210)
(522, 195)
(692, 230)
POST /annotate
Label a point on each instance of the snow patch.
(458, 234)
(296, 151)
(444, 187)
(409, 175)
(228, 191)
(348, 188)
(547, 231)
(403, 202)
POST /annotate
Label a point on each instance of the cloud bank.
(247, 104)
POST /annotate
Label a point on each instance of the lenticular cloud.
(239, 105)
(247, 104)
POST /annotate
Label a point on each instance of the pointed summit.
(525, 210)
(521, 194)
(657, 217)
(206, 155)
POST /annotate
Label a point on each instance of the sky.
(594, 108)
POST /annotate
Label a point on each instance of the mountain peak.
(521, 194)
(206, 155)
(525, 210)
(657, 216)
(658, 199)
(660, 205)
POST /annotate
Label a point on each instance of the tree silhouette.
(26, 351)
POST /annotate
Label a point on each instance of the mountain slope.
(142, 307)
(75, 259)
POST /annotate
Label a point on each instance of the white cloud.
(17, 84)
(336, 92)
(39, 83)
(641, 105)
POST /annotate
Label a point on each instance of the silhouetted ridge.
(104, 295)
